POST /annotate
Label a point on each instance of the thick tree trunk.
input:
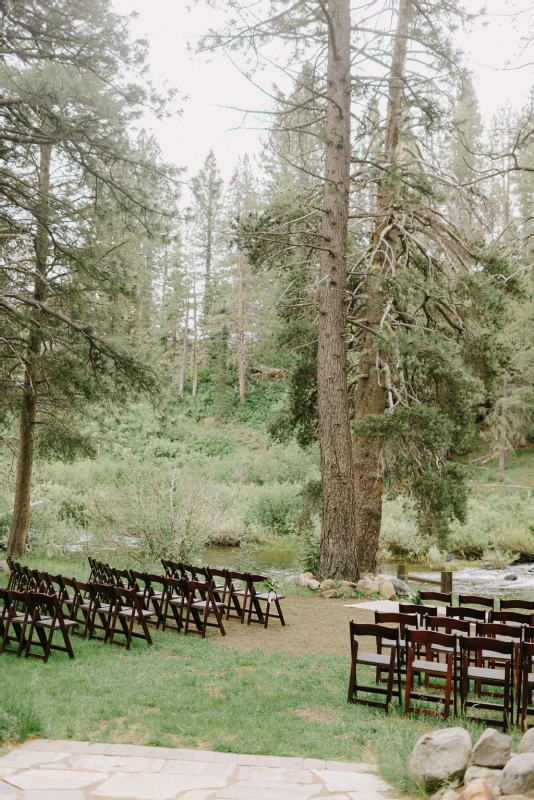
(18, 533)
(338, 544)
(241, 330)
(371, 394)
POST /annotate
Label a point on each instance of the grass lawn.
(189, 692)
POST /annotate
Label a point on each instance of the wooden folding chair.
(428, 667)
(102, 604)
(476, 600)
(379, 661)
(236, 604)
(46, 615)
(402, 621)
(255, 598)
(175, 601)
(525, 706)
(83, 602)
(517, 605)
(218, 580)
(509, 617)
(155, 592)
(473, 615)
(127, 611)
(502, 677)
(436, 597)
(421, 610)
(200, 605)
(15, 615)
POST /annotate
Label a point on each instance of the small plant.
(415, 597)
(18, 723)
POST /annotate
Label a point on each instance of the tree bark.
(241, 330)
(18, 532)
(195, 343)
(338, 558)
(370, 393)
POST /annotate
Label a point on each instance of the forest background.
(168, 336)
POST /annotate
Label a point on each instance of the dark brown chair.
(128, 611)
(236, 604)
(15, 614)
(102, 605)
(255, 599)
(427, 666)
(175, 601)
(379, 661)
(511, 617)
(201, 604)
(462, 612)
(474, 647)
(421, 610)
(436, 597)
(402, 622)
(46, 615)
(476, 600)
(526, 684)
(83, 602)
(517, 605)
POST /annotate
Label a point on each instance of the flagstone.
(7, 792)
(247, 790)
(109, 763)
(54, 779)
(148, 786)
(344, 781)
(53, 794)
(272, 775)
(25, 759)
(198, 768)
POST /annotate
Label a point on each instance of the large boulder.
(492, 749)
(518, 775)
(328, 584)
(477, 790)
(387, 590)
(367, 586)
(330, 593)
(440, 757)
(526, 745)
(313, 584)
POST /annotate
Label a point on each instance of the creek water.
(283, 562)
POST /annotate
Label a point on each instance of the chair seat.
(373, 659)
(46, 622)
(18, 618)
(441, 648)
(530, 677)
(239, 591)
(491, 656)
(157, 595)
(393, 643)
(204, 603)
(479, 673)
(265, 596)
(127, 612)
(429, 666)
(177, 601)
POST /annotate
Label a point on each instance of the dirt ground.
(313, 624)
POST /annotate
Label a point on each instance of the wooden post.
(401, 571)
(446, 582)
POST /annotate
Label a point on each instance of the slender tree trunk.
(241, 330)
(503, 428)
(338, 544)
(181, 375)
(195, 343)
(18, 533)
(371, 393)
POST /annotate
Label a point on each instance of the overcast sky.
(494, 51)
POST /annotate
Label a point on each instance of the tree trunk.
(370, 393)
(241, 330)
(195, 347)
(18, 533)
(338, 544)
(181, 375)
(503, 427)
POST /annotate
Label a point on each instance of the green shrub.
(400, 536)
(276, 507)
(309, 547)
(495, 523)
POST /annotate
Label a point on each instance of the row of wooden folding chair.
(237, 591)
(458, 671)
(478, 600)
(25, 615)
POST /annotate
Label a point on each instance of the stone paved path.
(54, 770)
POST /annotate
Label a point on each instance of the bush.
(495, 523)
(276, 507)
(400, 536)
(309, 547)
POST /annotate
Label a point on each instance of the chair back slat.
(476, 600)
(463, 612)
(450, 624)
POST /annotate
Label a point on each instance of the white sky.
(494, 49)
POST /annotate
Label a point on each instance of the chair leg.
(409, 682)
(267, 609)
(448, 688)
(352, 678)
(279, 609)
